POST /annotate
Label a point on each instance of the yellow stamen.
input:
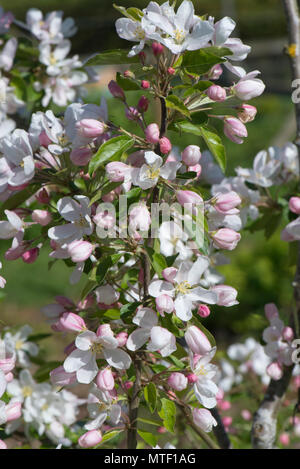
(27, 391)
(183, 287)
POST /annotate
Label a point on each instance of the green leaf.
(131, 13)
(127, 84)
(149, 438)
(199, 87)
(150, 395)
(173, 102)
(90, 285)
(105, 265)
(188, 175)
(168, 414)
(112, 314)
(159, 263)
(190, 127)
(109, 435)
(156, 423)
(201, 61)
(128, 309)
(112, 149)
(111, 57)
(215, 145)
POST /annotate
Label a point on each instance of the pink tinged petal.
(97, 422)
(169, 348)
(14, 220)
(3, 383)
(69, 209)
(197, 269)
(183, 308)
(159, 287)
(87, 373)
(108, 342)
(63, 231)
(117, 358)
(85, 340)
(201, 294)
(137, 339)
(146, 318)
(168, 171)
(76, 360)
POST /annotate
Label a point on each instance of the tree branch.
(265, 419)
(219, 431)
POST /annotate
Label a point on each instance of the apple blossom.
(204, 420)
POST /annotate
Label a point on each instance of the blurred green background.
(259, 270)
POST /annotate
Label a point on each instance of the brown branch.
(265, 419)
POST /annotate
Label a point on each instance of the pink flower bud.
(224, 405)
(288, 334)
(129, 74)
(132, 113)
(30, 256)
(284, 439)
(169, 274)
(116, 90)
(80, 156)
(203, 311)
(104, 330)
(59, 377)
(71, 322)
(294, 205)
(139, 218)
(91, 128)
(226, 295)
(227, 202)
(271, 311)
(247, 113)
(116, 171)
(216, 93)
(171, 71)
(161, 430)
(43, 217)
(204, 419)
(246, 415)
(191, 155)
(249, 89)
(128, 384)
(226, 238)
(157, 48)
(142, 57)
(13, 411)
(44, 139)
(188, 197)
(197, 340)
(3, 445)
(145, 84)
(164, 304)
(215, 72)
(80, 250)
(90, 439)
(143, 104)
(192, 378)
(43, 196)
(235, 130)
(152, 133)
(227, 421)
(105, 380)
(177, 381)
(275, 371)
(7, 364)
(196, 169)
(122, 338)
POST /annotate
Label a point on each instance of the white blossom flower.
(148, 175)
(205, 388)
(83, 359)
(77, 212)
(23, 347)
(101, 406)
(146, 319)
(186, 289)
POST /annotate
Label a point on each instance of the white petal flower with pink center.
(162, 341)
(102, 406)
(185, 288)
(205, 388)
(22, 346)
(77, 212)
(11, 228)
(147, 176)
(83, 359)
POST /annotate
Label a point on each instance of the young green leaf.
(110, 150)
